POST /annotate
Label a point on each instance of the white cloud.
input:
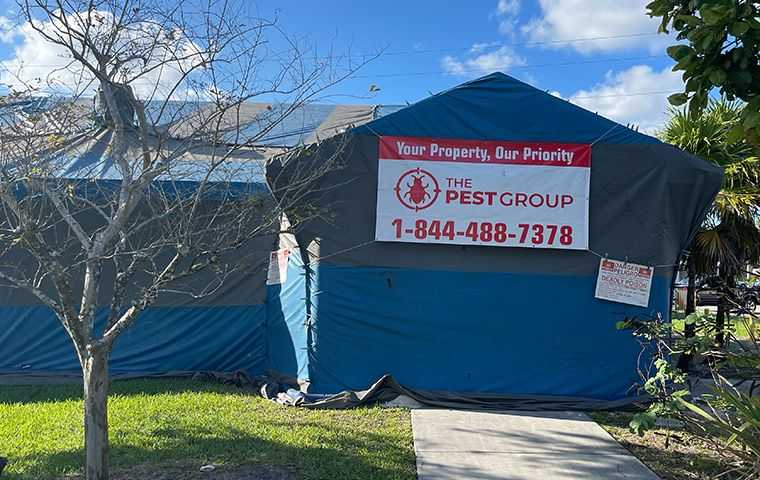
(506, 14)
(576, 19)
(508, 7)
(48, 68)
(481, 47)
(481, 61)
(38, 64)
(616, 97)
(7, 30)
(487, 57)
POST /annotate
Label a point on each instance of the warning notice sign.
(277, 273)
(624, 282)
(465, 192)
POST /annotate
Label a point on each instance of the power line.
(381, 53)
(472, 70)
(618, 95)
(514, 44)
(480, 70)
(511, 67)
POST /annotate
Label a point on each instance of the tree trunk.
(720, 324)
(691, 293)
(722, 319)
(691, 306)
(95, 373)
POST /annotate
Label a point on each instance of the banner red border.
(485, 151)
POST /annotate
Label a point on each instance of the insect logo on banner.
(417, 189)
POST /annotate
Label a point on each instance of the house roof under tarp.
(271, 129)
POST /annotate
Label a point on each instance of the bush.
(725, 417)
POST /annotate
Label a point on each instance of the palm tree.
(729, 238)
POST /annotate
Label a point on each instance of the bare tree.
(168, 205)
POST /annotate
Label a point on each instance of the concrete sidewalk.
(453, 444)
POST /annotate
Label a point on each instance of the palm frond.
(729, 235)
(737, 203)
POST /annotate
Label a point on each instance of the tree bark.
(691, 293)
(722, 319)
(691, 306)
(720, 325)
(95, 373)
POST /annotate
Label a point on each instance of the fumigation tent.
(473, 300)
(179, 335)
(452, 314)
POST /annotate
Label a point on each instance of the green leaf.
(685, 63)
(641, 422)
(744, 426)
(707, 41)
(658, 8)
(680, 394)
(718, 76)
(679, 52)
(713, 15)
(693, 84)
(750, 118)
(738, 29)
(621, 325)
(690, 20)
(678, 99)
(699, 411)
(735, 135)
(754, 103)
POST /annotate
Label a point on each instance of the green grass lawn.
(739, 325)
(157, 423)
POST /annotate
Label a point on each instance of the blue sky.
(602, 54)
(432, 45)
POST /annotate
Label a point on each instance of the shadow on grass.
(334, 454)
(323, 450)
(132, 387)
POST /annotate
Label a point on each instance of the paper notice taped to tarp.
(277, 273)
(624, 282)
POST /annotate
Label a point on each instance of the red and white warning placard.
(277, 273)
(624, 282)
(506, 194)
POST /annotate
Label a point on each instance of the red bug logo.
(417, 189)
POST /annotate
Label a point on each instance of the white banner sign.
(277, 273)
(464, 192)
(624, 282)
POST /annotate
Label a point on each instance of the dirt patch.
(192, 472)
(686, 456)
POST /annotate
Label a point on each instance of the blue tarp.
(510, 321)
(286, 328)
(223, 335)
(164, 339)
(499, 107)
(437, 317)
(472, 332)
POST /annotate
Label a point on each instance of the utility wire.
(618, 95)
(462, 71)
(381, 53)
(511, 67)
(511, 44)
